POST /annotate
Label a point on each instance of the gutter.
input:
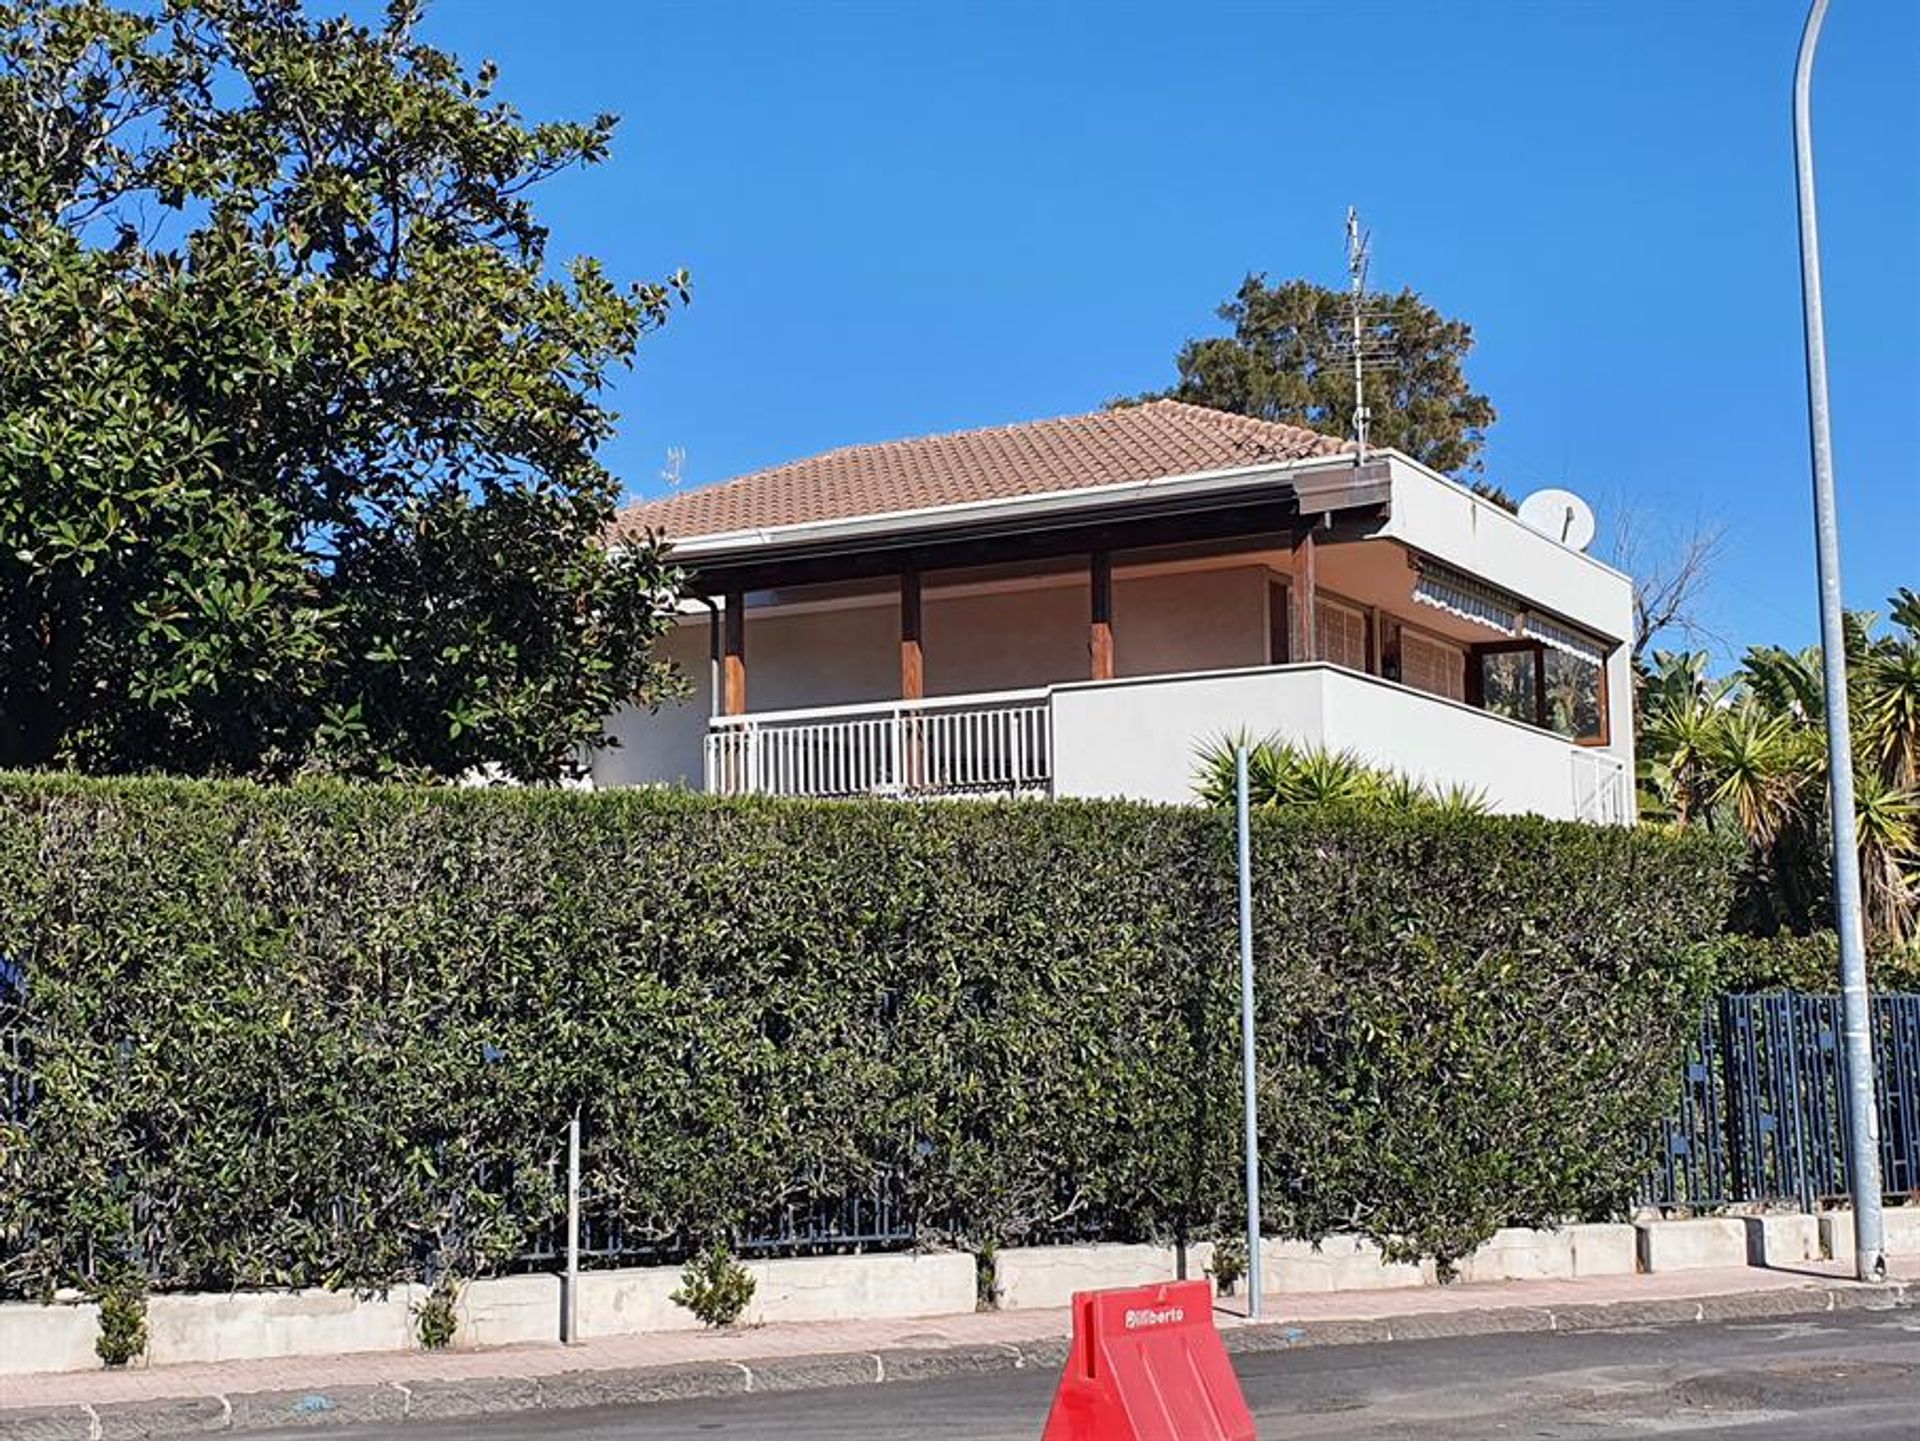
(1197, 485)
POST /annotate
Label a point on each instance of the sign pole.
(1252, 1100)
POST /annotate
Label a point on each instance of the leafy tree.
(1290, 358)
(298, 428)
(1747, 755)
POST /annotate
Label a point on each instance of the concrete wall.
(826, 1288)
(1139, 740)
(59, 1337)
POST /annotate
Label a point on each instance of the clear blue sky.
(909, 218)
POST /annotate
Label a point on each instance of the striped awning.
(1459, 594)
(1564, 639)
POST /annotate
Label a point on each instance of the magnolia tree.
(298, 425)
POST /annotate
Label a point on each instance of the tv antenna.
(1359, 253)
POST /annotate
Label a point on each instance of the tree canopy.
(298, 427)
(1290, 358)
(1747, 755)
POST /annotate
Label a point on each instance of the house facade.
(1076, 607)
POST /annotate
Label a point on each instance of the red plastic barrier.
(1147, 1365)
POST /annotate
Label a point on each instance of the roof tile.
(1075, 452)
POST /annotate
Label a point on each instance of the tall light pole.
(1863, 1123)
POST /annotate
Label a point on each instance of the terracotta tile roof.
(1076, 452)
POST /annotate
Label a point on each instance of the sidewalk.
(414, 1386)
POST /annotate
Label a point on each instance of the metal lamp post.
(1863, 1128)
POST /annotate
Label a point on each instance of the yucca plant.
(1748, 756)
(1281, 773)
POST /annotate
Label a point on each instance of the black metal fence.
(1762, 1116)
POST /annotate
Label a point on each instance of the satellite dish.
(1560, 515)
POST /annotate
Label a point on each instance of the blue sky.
(910, 218)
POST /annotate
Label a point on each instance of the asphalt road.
(1851, 1375)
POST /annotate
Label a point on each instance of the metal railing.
(1599, 788)
(1762, 1112)
(977, 745)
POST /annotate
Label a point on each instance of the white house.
(1075, 607)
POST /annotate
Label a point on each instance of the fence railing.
(1762, 1114)
(1599, 788)
(998, 744)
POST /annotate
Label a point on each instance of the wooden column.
(1306, 639)
(913, 671)
(735, 661)
(1100, 634)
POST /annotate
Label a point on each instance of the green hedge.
(327, 1035)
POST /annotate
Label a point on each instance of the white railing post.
(967, 745)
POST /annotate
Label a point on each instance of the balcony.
(979, 745)
(1137, 739)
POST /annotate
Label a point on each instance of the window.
(1576, 697)
(1544, 687)
(1510, 681)
(1432, 665)
(1340, 634)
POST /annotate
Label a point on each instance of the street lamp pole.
(1863, 1128)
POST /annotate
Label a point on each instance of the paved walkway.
(1514, 1305)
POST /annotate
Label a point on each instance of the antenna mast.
(1358, 254)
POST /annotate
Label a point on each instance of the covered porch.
(1030, 677)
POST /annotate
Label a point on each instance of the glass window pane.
(1573, 696)
(1507, 683)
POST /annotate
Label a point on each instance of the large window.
(1545, 687)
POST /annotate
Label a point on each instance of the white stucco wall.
(663, 747)
(1451, 524)
(1139, 740)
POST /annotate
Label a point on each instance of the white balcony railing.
(977, 745)
(1599, 788)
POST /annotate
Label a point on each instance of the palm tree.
(1747, 756)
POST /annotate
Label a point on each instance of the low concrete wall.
(1709, 1241)
(1783, 1240)
(817, 1288)
(1602, 1249)
(1338, 1263)
(868, 1288)
(1900, 1228)
(1516, 1254)
(505, 1310)
(254, 1325)
(1032, 1277)
(48, 1338)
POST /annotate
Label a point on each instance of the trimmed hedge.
(331, 1035)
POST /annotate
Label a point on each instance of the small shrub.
(1229, 1262)
(123, 1322)
(715, 1287)
(1281, 774)
(437, 1318)
(986, 1278)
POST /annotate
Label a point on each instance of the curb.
(396, 1403)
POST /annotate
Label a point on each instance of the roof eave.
(1008, 511)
